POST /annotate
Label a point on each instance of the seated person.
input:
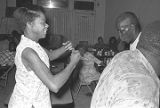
(88, 72)
(100, 43)
(110, 50)
(113, 44)
(7, 56)
(99, 47)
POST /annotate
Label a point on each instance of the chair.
(83, 43)
(4, 76)
(55, 41)
(83, 83)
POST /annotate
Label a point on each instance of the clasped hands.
(75, 55)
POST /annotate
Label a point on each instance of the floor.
(82, 100)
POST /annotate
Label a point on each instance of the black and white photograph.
(79, 53)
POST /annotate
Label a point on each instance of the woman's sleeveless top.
(29, 91)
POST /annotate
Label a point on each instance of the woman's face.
(39, 26)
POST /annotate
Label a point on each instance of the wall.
(2, 10)
(146, 10)
(100, 18)
(78, 25)
(94, 22)
(6, 24)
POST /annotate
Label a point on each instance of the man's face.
(126, 31)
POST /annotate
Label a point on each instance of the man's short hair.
(150, 38)
(133, 19)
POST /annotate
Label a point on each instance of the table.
(64, 96)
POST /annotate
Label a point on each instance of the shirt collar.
(134, 44)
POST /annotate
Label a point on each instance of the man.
(129, 28)
(130, 80)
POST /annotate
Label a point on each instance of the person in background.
(129, 28)
(33, 76)
(99, 48)
(113, 44)
(100, 43)
(7, 56)
(110, 50)
(131, 78)
(88, 72)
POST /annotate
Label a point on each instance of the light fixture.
(50, 4)
(53, 3)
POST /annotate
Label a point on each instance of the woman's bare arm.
(32, 61)
(54, 54)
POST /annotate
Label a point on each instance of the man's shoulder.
(123, 54)
(123, 59)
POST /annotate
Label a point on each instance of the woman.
(88, 72)
(113, 44)
(33, 76)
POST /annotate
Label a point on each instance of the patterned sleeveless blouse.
(29, 91)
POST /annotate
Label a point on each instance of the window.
(84, 5)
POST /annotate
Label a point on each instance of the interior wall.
(95, 26)
(146, 10)
(2, 8)
(7, 24)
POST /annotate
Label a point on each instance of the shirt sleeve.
(96, 60)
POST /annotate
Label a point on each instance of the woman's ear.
(29, 24)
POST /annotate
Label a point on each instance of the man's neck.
(135, 36)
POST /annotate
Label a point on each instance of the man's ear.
(133, 27)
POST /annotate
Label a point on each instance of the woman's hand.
(68, 46)
(75, 56)
(101, 64)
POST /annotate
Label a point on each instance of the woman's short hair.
(23, 15)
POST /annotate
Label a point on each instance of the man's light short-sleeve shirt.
(129, 81)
